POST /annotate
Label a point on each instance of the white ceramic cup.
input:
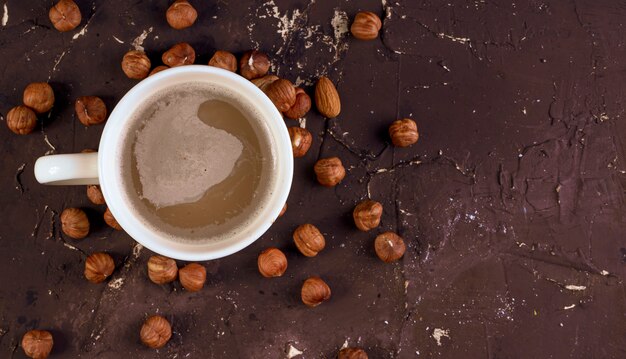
(103, 168)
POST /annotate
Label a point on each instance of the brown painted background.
(512, 198)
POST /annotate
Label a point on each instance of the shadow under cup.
(189, 239)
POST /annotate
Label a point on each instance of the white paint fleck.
(439, 333)
(302, 122)
(462, 40)
(604, 273)
(293, 352)
(567, 307)
(116, 283)
(573, 287)
(345, 344)
(5, 15)
(70, 246)
(138, 41)
(118, 40)
(82, 32)
(56, 63)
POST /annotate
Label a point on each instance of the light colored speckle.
(567, 307)
(345, 344)
(604, 273)
(439, 333)
(5, 15)
(138, 41)
(82, 32)
(573, 287)
(118, 40)
(302, 122)
(116, 283)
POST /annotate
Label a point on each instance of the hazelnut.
(155, 332)
(403, 132)
(162, 270)
(309, 240)
(282, 211)
(264, 82)
(179, 55)
(301, 140)
(95, 194)
(65, 15)
(300, 107)
(158, 69)
(110, 220)
(224, 60)
(352, 353)
(21, 120)
(39, 97)
(192, 277)
(329, 171)
(98, 267)
(90, 110)
(37, 344)
(272, 263)
(314, 292)
(181, 14)
(282, 93)
(74, 223)
(367, 215)
(136, 65)
(254, 64)
(327, 98)
(389, 247)
(366, 26)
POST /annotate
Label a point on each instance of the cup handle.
(72, 169)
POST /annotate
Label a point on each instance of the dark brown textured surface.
(511, 204)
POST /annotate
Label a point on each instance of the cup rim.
(109, 166)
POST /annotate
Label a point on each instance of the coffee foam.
(149, 219)
(179, 157)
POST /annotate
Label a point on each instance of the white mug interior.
(112, 178)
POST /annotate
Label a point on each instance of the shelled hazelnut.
(90, 110)
(21, 120)
(352, 353)
(39, 96)
(389, 247)
(179, 55)
(162, 270)
(155, 332)
(158, 69)
(327, 98)
(254, 64)
(366, 26)
(367, 214)
(314, 292)
(403, 132)
(263, 82)
(329, 171)
(301, 107)
(65, 15)
(192, 277)
(309, 240)
(110, 220)
(98, 267)
(181, 14)
(282, 93)
(74, 223)
(224, 60)
(136, 65)
(94, 193)
(37, 344)
(301, 140)
(272, 263)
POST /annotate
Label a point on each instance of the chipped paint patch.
(138, 41)
(302, 122)
(293, 351)
(575, 287)
(5, 15)
(116, 283)
(439, 333)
